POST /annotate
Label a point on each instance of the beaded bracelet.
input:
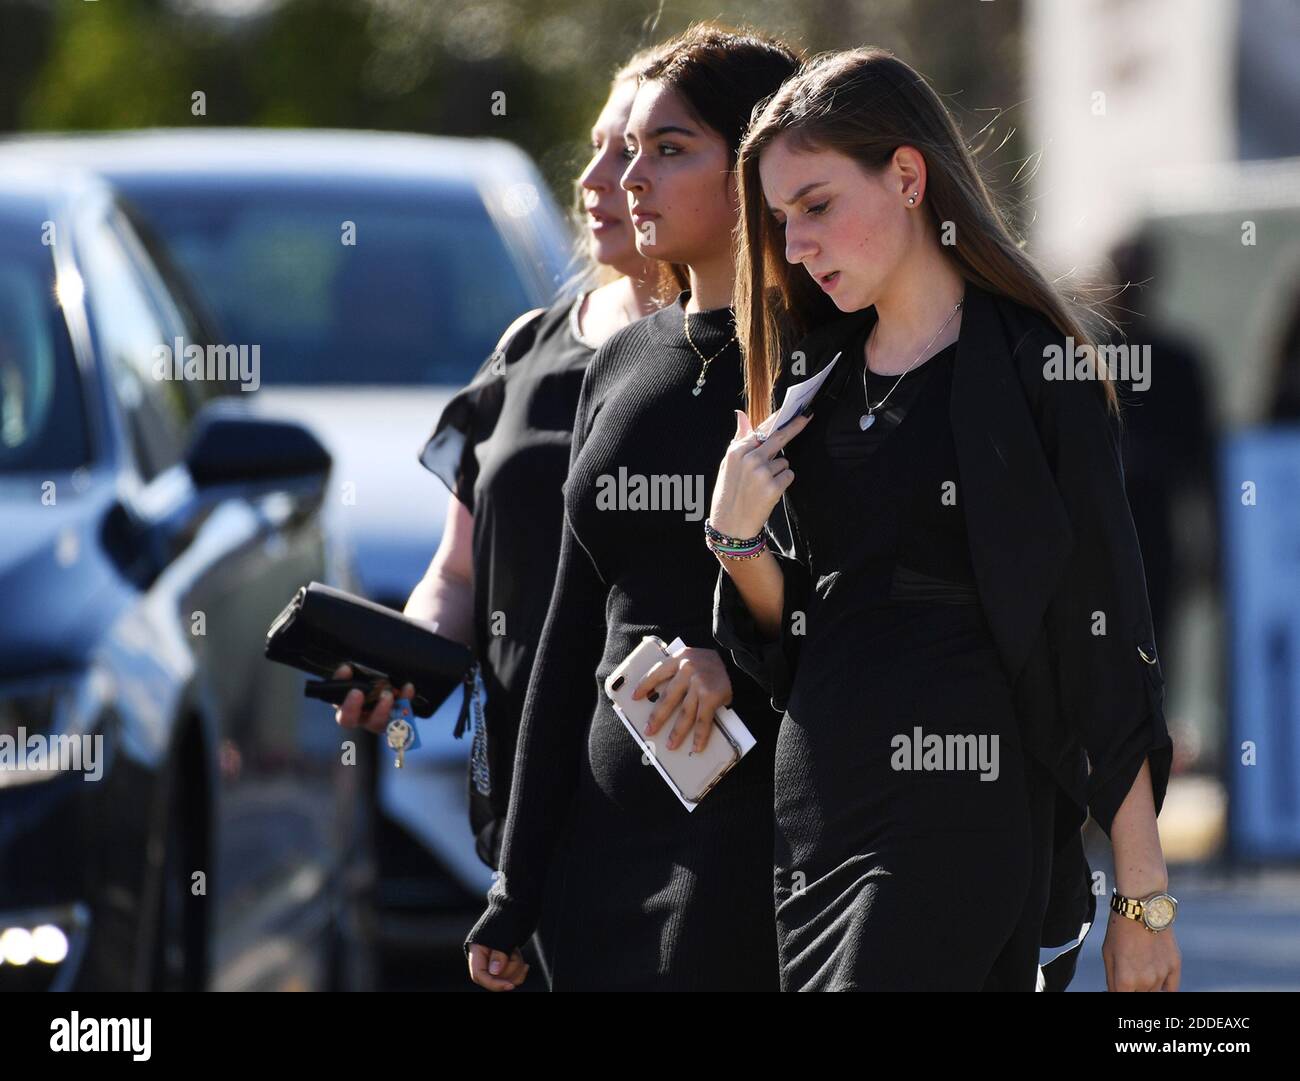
(737, 553)
(734, 547)
(722, 538)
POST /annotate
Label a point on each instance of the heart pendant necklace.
(869, 417)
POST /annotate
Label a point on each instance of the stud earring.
(911, 200)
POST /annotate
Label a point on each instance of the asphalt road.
(1238, 931)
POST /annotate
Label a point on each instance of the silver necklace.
(869, 417)
(705, 361)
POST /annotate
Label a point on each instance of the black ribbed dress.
(889, 878)
(637, 892)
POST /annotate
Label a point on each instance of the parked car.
(375, 272)
(209, 834)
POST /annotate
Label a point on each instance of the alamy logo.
(77, 1033)
(1128, 363)
(946, 754)
(659, 491)
(216, 363)
(61, 753)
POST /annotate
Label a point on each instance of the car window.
(420, 297)
(130, 333)
(176, 299)
(42, 403)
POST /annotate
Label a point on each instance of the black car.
(172, 814)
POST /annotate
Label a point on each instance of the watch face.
(1158, 912)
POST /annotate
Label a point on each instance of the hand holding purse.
(323, 627)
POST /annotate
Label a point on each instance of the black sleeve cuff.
(505, 924)
(1105, 801)
(770, 662)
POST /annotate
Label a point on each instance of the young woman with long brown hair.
(642, 893)
(963, 615)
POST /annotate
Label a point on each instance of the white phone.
(692, 773)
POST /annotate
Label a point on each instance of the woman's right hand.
(508, 973)
(752, 478)
(351, 713)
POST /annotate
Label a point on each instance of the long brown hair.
(866, 103)
(722, 74)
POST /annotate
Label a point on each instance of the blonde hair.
(589, 273)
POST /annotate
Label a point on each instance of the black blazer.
(1056, 561)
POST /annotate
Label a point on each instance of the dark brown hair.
(866, 103)
(723, 74)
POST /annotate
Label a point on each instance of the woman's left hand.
(1137, 960)
(698, 681)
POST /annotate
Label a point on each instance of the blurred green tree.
(440, 65)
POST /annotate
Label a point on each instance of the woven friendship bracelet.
(753, 554)
(737, 553)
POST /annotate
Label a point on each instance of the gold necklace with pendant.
(705, 361)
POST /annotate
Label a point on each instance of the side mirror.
(230, 445)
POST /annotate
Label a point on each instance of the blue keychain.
(402, 732)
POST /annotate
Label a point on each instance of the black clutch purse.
(322, 628)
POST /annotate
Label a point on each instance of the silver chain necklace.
(869, 417)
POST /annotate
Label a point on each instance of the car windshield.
(42, 411)
(344, 286)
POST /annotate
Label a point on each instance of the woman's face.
(680, 182)
(848, 227)
(609, 223)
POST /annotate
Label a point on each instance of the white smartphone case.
(689, 775)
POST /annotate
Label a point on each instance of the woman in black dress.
(501, 446)
(962, 613)
(639, 893)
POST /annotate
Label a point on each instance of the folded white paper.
(796, 397)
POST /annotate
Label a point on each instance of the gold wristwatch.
(1155, 911)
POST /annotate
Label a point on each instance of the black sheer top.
(502, 447)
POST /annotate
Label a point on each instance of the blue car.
(172, 814)
(373, 272)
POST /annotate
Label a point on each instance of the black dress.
(502, 447)
(912, 834)
(638, 892)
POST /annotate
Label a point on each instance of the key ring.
(401, 733)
